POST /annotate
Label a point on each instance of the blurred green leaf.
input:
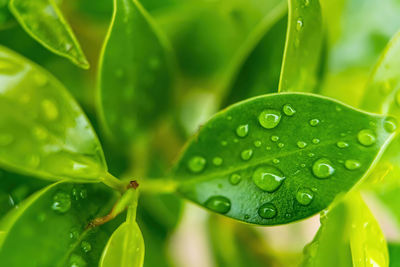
(43, 130)
(135, 76)
(5, 15)
(43, 20)
(394, 254)
(279, 158)
(125, 247)
(303, 47)
(51, 227)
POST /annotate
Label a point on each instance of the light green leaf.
(135, 77)
(50, 228)
(43, 131)
(303, 47)
(125, 247)
(43, 20)
(279, 158)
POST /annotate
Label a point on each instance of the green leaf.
(303, 47)
(279, 158)
(5, 15)
(51, 227)
(125, 247)
(43, 132)
(135, 77)
(394, 254)
(43, 20)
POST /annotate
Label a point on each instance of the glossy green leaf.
(279, 158)
(51, 227)
(303, 47)
(367, 242)
(125, 247)
(43, 132)
(43, 20)
(135, 77)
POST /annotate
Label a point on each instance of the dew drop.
(50, 109)
(276, 161)
(218, 204)
(352, 164)
(217, 161)
(61, 202)
(257, 143)
(311, 154)
(274, 138)
(280, 145)
(74, 234)
(269, 118)
(224, 143)
(235, 179)
(304, 196)
(322, 168)
(366, 137)
(314, 122)
(316, 141)
(77, 261)
(236, 140)
(390, 124)
(246, 154)
(196, 164)
(299, 24)
(301, 144)
(268, 148)
(268, 178)
(79, 192)
(342, 144)
(86, 246)
(267, 211)
(288, 110)
(242, 130)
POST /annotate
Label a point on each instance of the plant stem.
(158, 185)
(114, 183)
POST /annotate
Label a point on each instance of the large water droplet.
(242, 130)
(61, 202)
(288, 110)
(314, 122)
(269, 118)
(196, 164)
(268, 178)
(246, 154)
(267, 211)
(217, 161)
(366, 137)
(322, 168)
(304, 196)
(390, 124)
(352, 164)
(301, 144)
(50, 109)
(86, 246)
(218, 204)
(299, 24)
(235, 179)
(342, 144)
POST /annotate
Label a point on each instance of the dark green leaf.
(280, 157)
(5, 15)
(135, 77)
(43, 20)
(394, 254)
(43, 131)
(303, 47)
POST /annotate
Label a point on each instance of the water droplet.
(269, 118)
(235, 178)
(274, 138)
(301, 144)
(86, 246)
(314, 122)
(342, 144)
(352, 164)
(257, 143)
(307, 2)
(304, 196)
(50, 109)
(299, 24)
(268, 178)
(196, 164)
(242, 130)
(302, 165)
(218, 204)
(246, 154)
(288, 110)
(316, 141)
(217, 161)
(236, 140)
(77, 261)
(390, 124)
(280, 145)
(267, 211)
(6, 139)
(224, 143)
(61, 202)
(322, 168)
(366, 137)
(268, 148)
(79, 192)
(74, 234)
(311, 154)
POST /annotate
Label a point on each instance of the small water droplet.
(314, 122)
(246, 154)
(390, 124)
(218, 204)
(276, 161)
(61, 202)
(267, 211)
(316, 141)
(196, 164)
(304, 196)
(77, 261)
(299, 24)
(50, 109)
(242, 130)
(86, 246)
(366, 137)
(301, 144)
(235, 179)
(268, 178)
(352, 164)
(322, 168)
(342, 144)
(302, 165)
(236, 140)
(74, 234)
(280, 145)
(274, 138)
(6, 139)
(224, 143)
(269, 118)
(307, 2)
(311, 154)
(288, 110)
(79, 192)
(257, 143)
(217, 161)
(268, 148)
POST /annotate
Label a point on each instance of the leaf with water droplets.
(135, 73)
(49, 236)
(279, 181)
(43, 131)
(43, 20)
(303, 47)
(125, 247)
